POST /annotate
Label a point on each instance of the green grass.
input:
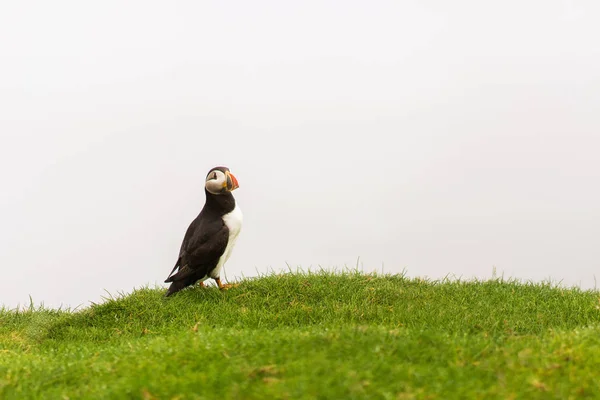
(312, 335)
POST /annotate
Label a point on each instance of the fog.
(427, 138)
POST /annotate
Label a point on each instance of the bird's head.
(219, 181)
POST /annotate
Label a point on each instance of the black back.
(204, 242)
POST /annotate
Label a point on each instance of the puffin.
(211, 236)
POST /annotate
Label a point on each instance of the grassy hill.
(322, 336)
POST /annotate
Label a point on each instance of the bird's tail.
(183, 278)
(170, 277)
(175, 287)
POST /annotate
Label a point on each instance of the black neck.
(221, 203)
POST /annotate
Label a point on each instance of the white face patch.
(215, 181)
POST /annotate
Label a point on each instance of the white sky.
(433, 137)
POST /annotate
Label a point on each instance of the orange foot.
(201, 284)
(223, 286)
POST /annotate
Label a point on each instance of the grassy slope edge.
(313, 335)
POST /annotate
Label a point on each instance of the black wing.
(204, 243)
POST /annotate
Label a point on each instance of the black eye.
(215, 176)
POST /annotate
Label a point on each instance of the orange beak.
(232, 182)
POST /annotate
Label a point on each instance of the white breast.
(233, 221)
